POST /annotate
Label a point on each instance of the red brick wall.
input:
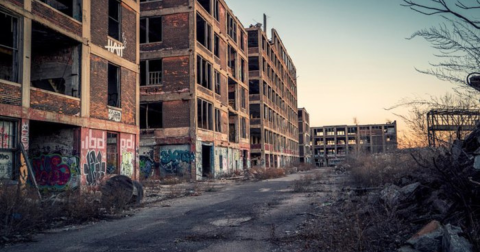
(223, 54)
(98, 88)
(46, 101)
(162, 4)
(176, 72)
(10, 94)
(128, 99)
(129, 29)
(223, 19)
(176, 114)
(99, 22)
(175, 33)
(56, 17)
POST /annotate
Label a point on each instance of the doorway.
(206, 161)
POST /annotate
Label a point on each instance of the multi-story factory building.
(273, 101)
(331, 144)
(194, 89)
(304, 138)
(69, 97)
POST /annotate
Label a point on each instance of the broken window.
(232, 60)
(151, 116)
(8, 145)
(254, 87)
(244, 99)
(232, 94)
(205, 4)
(216, 10)
(216, 45)
(243, 74)
(254, 111)
(217, 83)
(71, 8)
(8, 47)
(113, 86)
(114, 23)
(204, 75)
(252, 39)
(112, 153)
(242, 40)
(56, 61)
(232, 27)
(151, 72)
(204, 114)
(204, 32)
(244, 128)
(151, 30)
(253, 64)
(218, 121)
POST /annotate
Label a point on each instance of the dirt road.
(246, 217)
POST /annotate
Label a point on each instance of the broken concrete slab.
(453, 242)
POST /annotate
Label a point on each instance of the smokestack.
(264, 22)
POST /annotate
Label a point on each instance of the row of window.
(210, 119)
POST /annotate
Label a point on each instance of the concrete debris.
(391, 195)
(453, 242)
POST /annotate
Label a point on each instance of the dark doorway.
(206, 160)
(245, 159)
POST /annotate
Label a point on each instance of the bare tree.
(457, 39)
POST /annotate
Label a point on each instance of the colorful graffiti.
(25, 135)
(95, 168)
(147, 166)
(176, 161)
(56, 172)
(127, 166)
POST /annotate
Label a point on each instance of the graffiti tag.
(56, 172)
(95, 168)
(25, 135)
(127, 167)
(114, 115)
(147, 166)
(173, 162)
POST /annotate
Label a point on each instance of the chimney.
(264, 22)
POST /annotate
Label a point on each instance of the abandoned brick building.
(331, 144)
(194, 90)
(304, 137)
(68, 91)
(273, 100)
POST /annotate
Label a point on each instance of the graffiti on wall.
(176, 161)
(93, 142)
(56, 172)
(25, 135)
(127, 166)
(147, 166)
(6, 161)
(117, 47)
(114, 115)
(95, 168)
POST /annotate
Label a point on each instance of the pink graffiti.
(50, 171)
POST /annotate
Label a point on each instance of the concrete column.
(27, 56)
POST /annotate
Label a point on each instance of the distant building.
(68, 82)
(194, 117)
(331, 144)
(273, 100)
(305, 146)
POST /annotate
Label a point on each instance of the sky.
(352, 56)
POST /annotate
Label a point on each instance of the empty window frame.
(204, 73)
(113, 86)
(252, 39)
(232, 59)
(244, 97)
(216, 10)
(151, 30)
(232, 27)
(8, 146)
(244, 127)
(242, 41)
(254, 87)
(114, 22)
(8, 47)
(218, 82)
(71, 8)
(151, 116)
(112, 153)
(216, 45)
(253, 64)
(243, 72)
(204, 114)
(218, 121)
(151, 72)
(205, 4)
(204, 31)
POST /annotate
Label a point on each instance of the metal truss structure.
(454, 121)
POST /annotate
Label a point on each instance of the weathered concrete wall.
(176, 159)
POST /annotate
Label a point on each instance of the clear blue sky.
(352, 56)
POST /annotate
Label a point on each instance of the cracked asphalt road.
(242, 217)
